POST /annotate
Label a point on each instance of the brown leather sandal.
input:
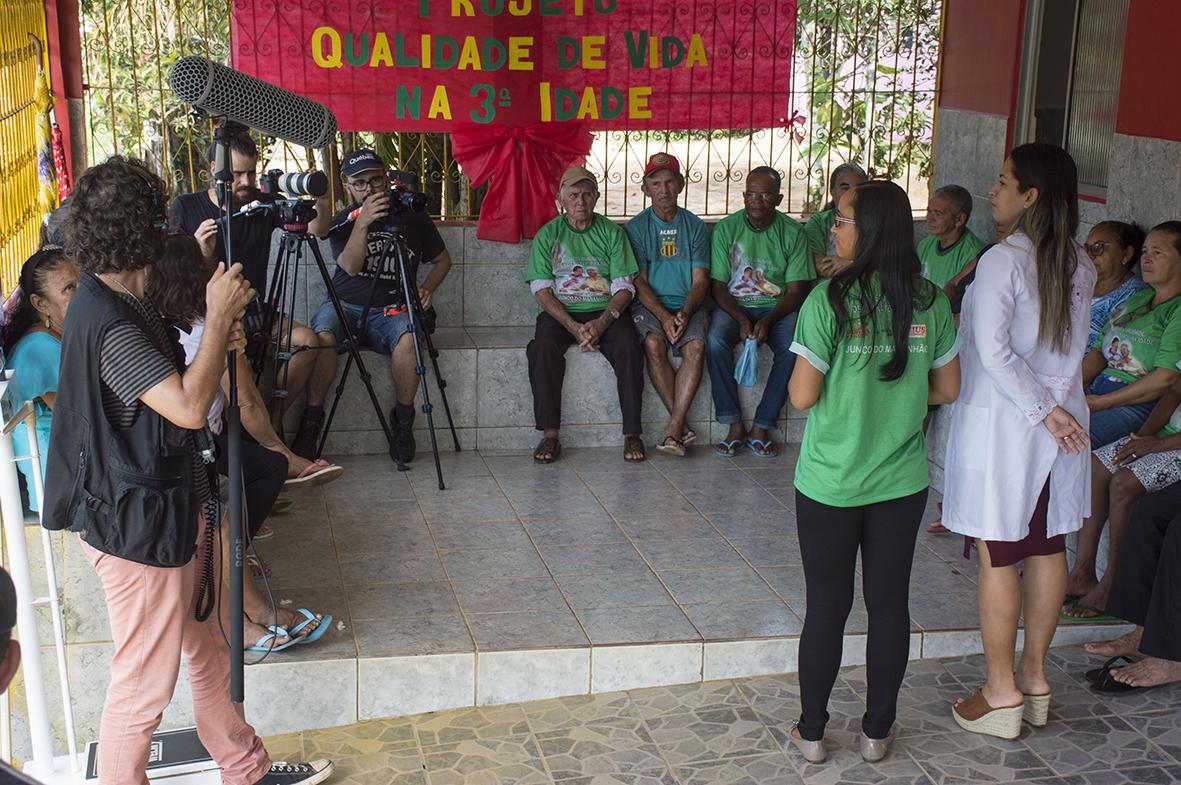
(548, 450)
(633, 445)
(976, 715)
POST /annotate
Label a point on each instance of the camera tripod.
(292, 244)
(395, 246)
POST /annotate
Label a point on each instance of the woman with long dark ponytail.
(876, 345)
(1017, 459)
(33, 318)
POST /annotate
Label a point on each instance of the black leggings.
(829, 540)
(263, 473)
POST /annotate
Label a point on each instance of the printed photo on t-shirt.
(578, 280)
(1120, 352)
(748, 278)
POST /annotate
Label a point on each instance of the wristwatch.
(614, 313)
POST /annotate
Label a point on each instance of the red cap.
(662, 161)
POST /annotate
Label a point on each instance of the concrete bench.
(486, 317)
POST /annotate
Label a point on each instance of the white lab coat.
(998, 452)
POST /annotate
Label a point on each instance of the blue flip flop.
(261, 645)
(728, 449)
(762, 448)
(315, 634)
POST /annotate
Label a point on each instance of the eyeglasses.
(1096, 248)
(377, 181)
(765, 196)
(840, 219)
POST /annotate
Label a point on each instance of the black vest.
(129, 492)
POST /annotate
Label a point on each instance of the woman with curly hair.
(126, 471)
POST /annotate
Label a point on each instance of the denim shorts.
(381, 334)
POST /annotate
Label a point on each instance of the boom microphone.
(223, 92)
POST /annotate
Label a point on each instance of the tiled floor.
(587, 551)
(734, 733)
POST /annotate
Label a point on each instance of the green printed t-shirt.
(581, 264)
(1139, 337)
(670, 252)
(819, 232)
(755, 264)
(863, 442)
(941, 265)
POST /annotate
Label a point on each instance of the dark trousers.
(830, 537)
(547, 367)
(263, 474)
(1147, 585)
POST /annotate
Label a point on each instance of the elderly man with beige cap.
(580, 270)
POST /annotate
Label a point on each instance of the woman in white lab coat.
(1017, 468)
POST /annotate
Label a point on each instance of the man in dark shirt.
(198, 214)
(358, 236)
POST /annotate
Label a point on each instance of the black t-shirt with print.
(252, 234)
(423, 242)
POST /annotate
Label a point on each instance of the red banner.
(424, 65)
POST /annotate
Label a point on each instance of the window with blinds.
(1074, 51)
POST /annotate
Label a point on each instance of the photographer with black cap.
(358, 236)
(198, 214)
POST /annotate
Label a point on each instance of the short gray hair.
(959, 199)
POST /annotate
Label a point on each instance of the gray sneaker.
(310, 773)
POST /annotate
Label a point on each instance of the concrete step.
(491, 401)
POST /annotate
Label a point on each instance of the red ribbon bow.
(522, 166)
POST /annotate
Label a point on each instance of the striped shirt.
(131, 362)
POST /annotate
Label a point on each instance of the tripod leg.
(350, 344)
(413, 313)
(433, 353)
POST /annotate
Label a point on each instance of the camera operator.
(125, 469)
(378, 214)
(198, 214)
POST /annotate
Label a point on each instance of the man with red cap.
(575, 309)
(671, 246)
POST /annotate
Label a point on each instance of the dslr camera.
(404, 196)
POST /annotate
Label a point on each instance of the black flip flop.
(1110, 686)
(1097, 675)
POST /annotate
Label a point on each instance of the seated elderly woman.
(33, 319)
(1133, 359)
(1123, 471)
(1114, 248)
(176, 286)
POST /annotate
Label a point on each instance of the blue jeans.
(719, 356)
(1111, 425)
(381, 333)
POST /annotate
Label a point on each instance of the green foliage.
(869, 91)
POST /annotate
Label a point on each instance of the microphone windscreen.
(223, 92)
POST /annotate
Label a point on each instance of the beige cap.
(576, 174)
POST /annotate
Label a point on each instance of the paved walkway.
(733, 733)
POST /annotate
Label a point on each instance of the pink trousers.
(151, 613)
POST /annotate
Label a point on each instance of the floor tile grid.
(701, 635)
(451, 582)
(968, 671)
(928, 757)
(660, 472)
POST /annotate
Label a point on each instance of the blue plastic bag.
(747, 369)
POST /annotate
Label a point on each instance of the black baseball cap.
(361, 161)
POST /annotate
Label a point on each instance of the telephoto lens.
(304, 184)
